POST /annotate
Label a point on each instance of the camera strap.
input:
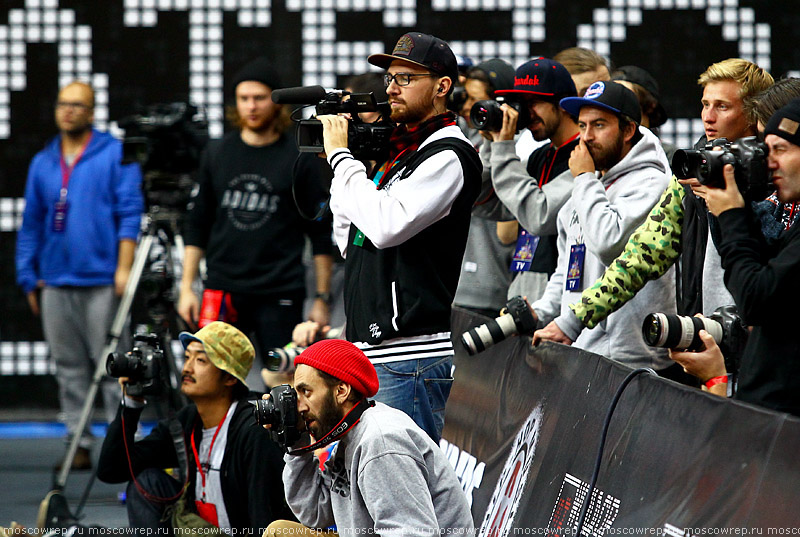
(347, 422)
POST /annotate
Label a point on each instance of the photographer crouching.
(763, 278)
(385, 476)
(234, 469)
(403, 229)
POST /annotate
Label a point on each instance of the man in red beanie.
(385, 476)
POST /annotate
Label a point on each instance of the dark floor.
(26, 476)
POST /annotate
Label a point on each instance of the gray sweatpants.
(76, 321)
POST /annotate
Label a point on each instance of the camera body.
(280, 412)
(517, 320)
(166, 140)
(679, 332)
(488, 116)
(368, 141)
(747, 155)
(144, 365)
(456, 99)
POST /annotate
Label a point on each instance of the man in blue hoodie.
(75, 247)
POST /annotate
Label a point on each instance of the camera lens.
(123, 365)
(266, 413)
(486, 115)
(678, 332)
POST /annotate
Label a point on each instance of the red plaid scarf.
(404, 138)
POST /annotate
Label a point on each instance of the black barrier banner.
(523, 429)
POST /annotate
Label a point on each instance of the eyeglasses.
(72, 105)
(401, 79)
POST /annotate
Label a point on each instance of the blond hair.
(751, 78)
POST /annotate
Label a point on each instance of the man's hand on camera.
(580, 160)
(509, 128)
(334, 132)
(705, 364)
(123, 382)
(720, 200)
(308, 333)
(551, 332)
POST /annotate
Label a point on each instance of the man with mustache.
(234, 468)
(402, 229)
(620, 170)
(534, 192)
(385, 476)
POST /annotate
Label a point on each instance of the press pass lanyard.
(210, 448)
(66, 171)
(347, 423)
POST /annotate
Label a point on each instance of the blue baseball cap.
(609, 96)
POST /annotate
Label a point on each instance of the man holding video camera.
(234, 468)
(385, 476)
(761, 276)
(403, 229)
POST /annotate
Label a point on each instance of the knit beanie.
(343, 360)
(786, 122)
(259, 70)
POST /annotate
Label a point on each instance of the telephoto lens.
(679, 332)
(517, 320)
(281, 359)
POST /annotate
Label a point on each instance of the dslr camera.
(488, 116)
(144, 365)
(747, 155)
(280, 412)
(367, 141)
(681, 333)
(518, 319)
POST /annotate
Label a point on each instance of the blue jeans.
(419, 388)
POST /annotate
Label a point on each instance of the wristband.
(722, 379)
(325, 297)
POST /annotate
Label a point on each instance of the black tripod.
(152, 289)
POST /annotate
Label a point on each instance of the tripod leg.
(111, 344)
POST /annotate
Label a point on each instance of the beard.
(329, 416)
(606, 157)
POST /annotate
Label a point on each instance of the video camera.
(747, 155)
(279, 411)
(488, 116)
(166, 140)
(679, 332)
(368, 141)
(517, 319)
(144, 365)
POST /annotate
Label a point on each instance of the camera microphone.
(300, 95)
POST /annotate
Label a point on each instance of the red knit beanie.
(343, 360)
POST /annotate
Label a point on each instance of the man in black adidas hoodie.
(403, 230)
(243, 218)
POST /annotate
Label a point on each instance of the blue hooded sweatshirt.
(104, 206)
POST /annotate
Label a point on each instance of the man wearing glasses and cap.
(403, 229)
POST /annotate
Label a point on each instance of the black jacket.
(407, 290)
(251, 473)
(765, 285)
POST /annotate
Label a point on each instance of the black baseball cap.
(499, 72)
(609, 96)
(424, 50)
(637, 75)
(786, 123)
(541, 77)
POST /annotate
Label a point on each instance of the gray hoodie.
(386, 477)
(602, 214)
